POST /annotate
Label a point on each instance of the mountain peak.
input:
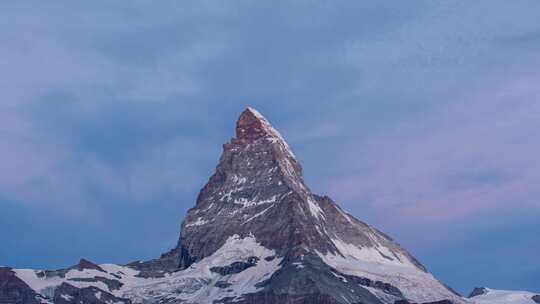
(252, 125)
(257, 234)
(257, 200)
(86, 264)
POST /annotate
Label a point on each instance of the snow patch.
(29, 276)
(227, 196)
(415, 284)
(258, 214)
(198, 222)
(247, 203)
(196, 283)
(46, 285)
(238, 180)
(370, 254)
(66, 297)
(314, 208)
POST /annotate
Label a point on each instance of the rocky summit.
(257, 234)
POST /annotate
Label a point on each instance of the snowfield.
(196, 284)
(504, 297)
(415, 284)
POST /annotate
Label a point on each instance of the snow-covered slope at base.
(504, 297)
(45, 285)
(197, 284)
(415, 284)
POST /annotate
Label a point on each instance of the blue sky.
(419, 117)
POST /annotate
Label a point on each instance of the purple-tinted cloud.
(478, 154)
(62, 52)
(416, 115)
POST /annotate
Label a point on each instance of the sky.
(419, 117)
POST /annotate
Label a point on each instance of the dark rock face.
(536, 298)
(477, 291)
(222, 284)
(157, 268)
(15, 291)
(85, 264)
(271, 298)
(384, 287)
(235, 267)
(314, 279)
(69, 294)
(436, 302)
(82, 265)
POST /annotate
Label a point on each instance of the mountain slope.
(258, 189)
(257, 234)
(492, 296)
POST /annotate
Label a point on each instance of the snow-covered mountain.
(257, 234)
(492, 296)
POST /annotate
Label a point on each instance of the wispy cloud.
(414, 113)
(474, 155)
(63, 81)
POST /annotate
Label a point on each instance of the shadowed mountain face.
(13, 290)
(257, 234)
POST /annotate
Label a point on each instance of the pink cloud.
(411, 173)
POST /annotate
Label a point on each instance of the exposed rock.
(85, 264)
(477, 291)
(309, 277)
(82, 265)
(536, 298)
(222, 284)
(14, 290)
(384, 287)
(69, 294)
(157, 268)
(436, 302)
(271, 298)
(235, 267)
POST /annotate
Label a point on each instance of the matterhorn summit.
(257, 234)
